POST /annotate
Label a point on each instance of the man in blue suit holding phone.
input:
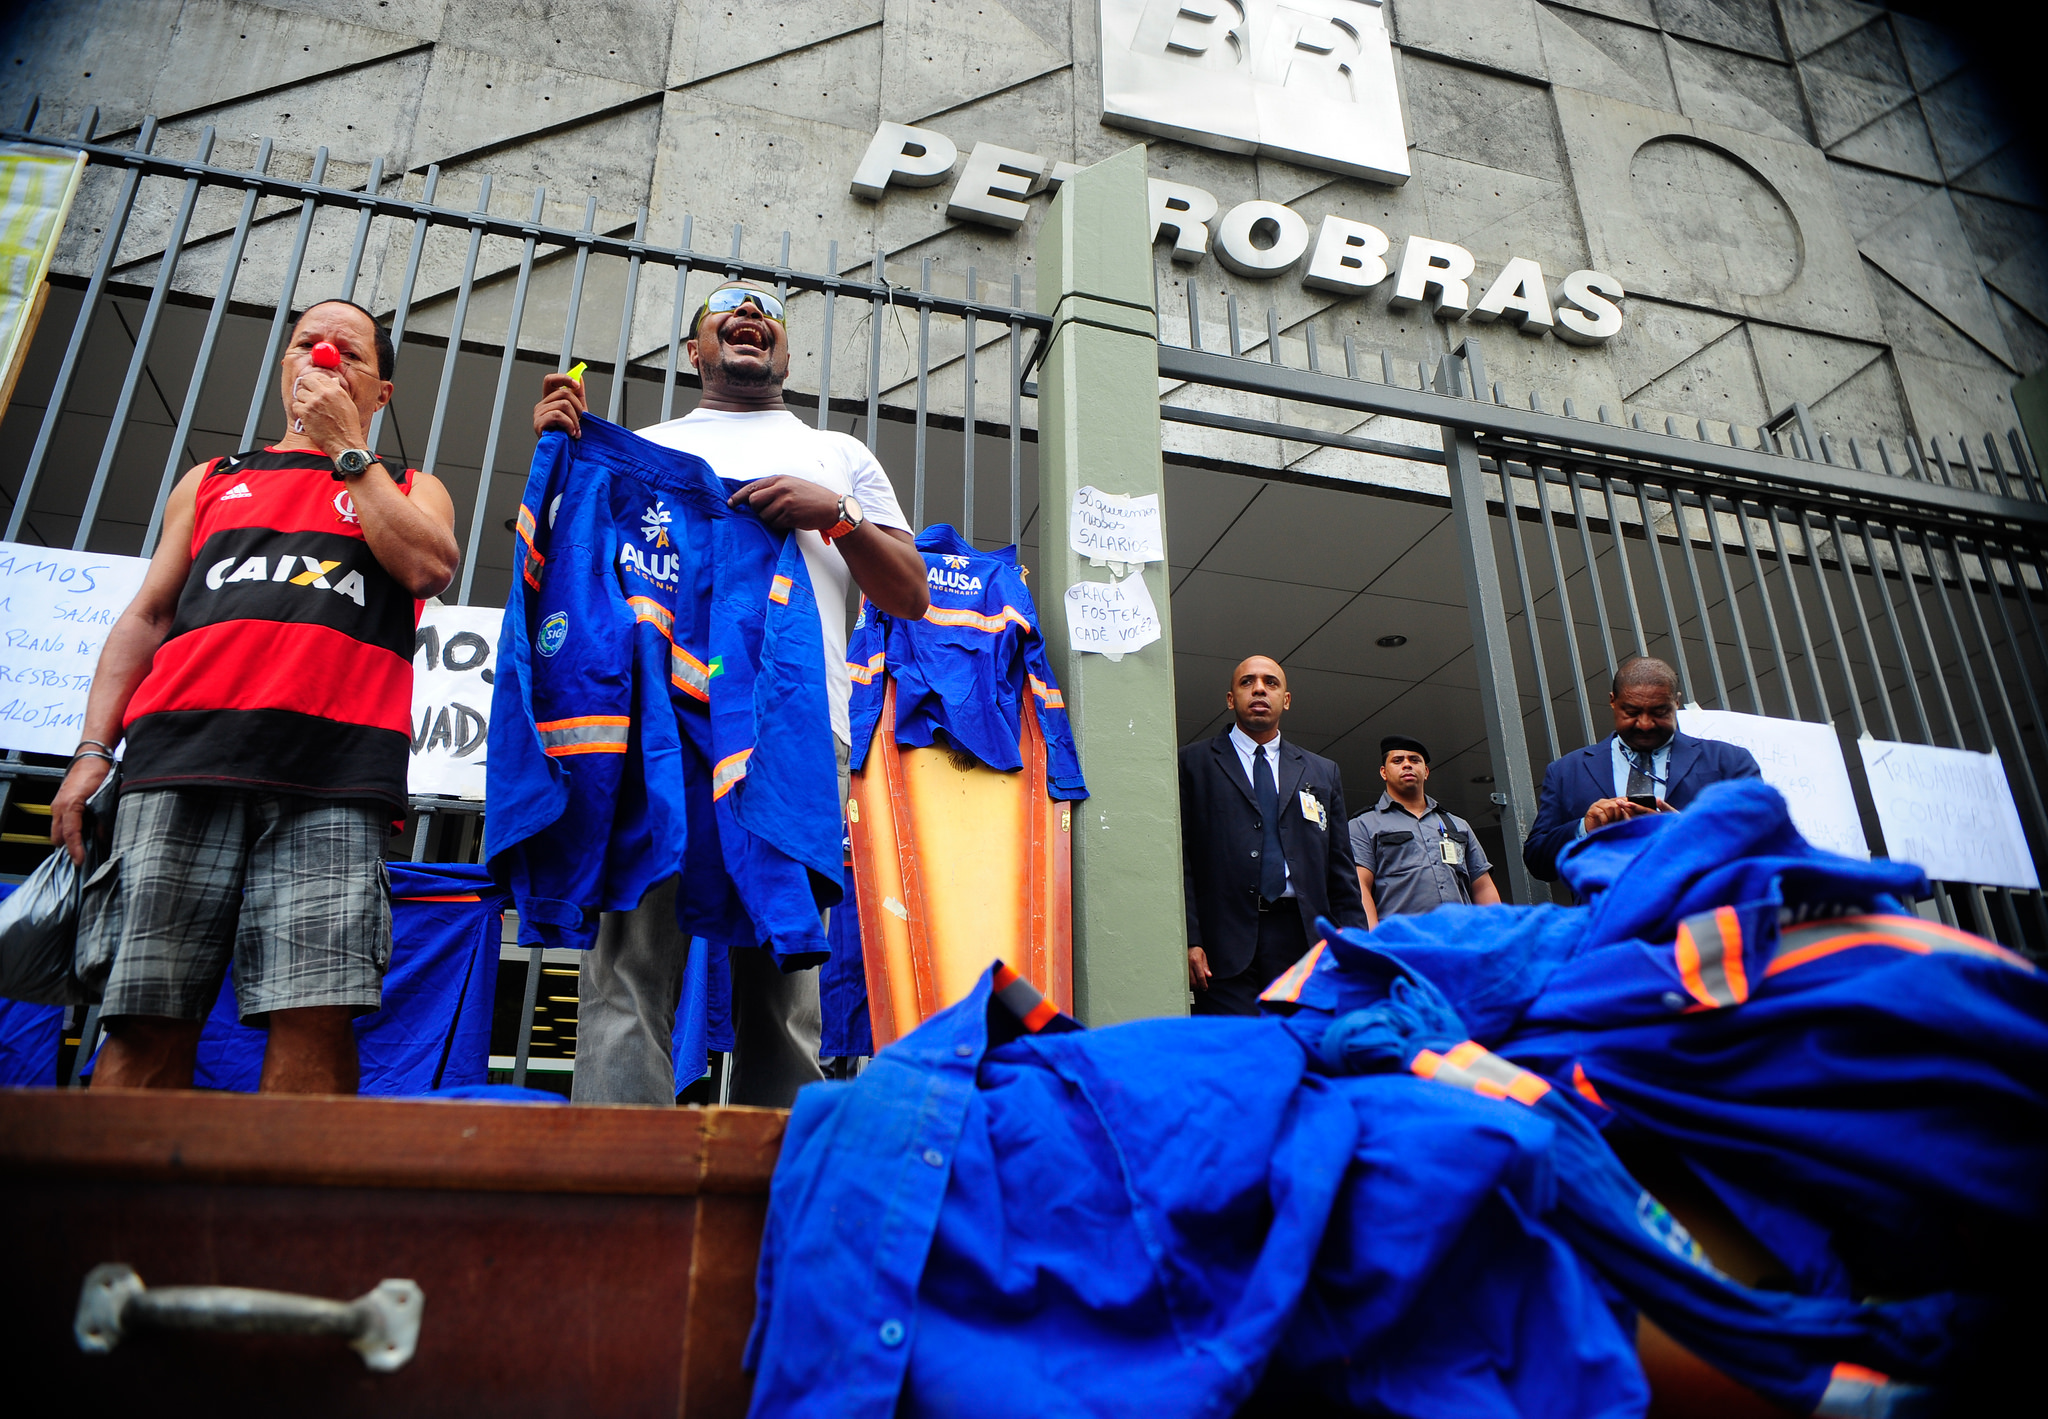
(1645, 766)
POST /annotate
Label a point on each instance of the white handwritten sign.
(1802, 761)
(56, 608)
(1112, 618)
(453, 664)
(1949, 812)
(1115, 531)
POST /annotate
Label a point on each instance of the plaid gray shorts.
(292, 889)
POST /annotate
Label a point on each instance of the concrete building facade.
(1804, 210)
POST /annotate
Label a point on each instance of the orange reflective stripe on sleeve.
(1288, 986)
(1816, 940)
(1023, 999)
(730, 770)
(647, 609)
(685, 671)
(1053, 698)
(1476, 1069)
(778, 590)
(585, 734)
(531, 564)
(689, 674)
(865, 674)
(1709, 954)
(974, 620)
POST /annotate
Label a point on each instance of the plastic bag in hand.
(39, 921)
(38, 934)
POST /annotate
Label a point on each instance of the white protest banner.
(1802, 761)
(1949, 812)
(1112, 618)
(453, 665)
(56, 608)
(1115, 531)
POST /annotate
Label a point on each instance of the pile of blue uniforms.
(1396, 1191)
(966, 670)
(660, 708)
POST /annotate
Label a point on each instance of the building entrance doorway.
(1358, 595)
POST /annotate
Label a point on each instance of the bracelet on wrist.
(94, 743)
(92, 754)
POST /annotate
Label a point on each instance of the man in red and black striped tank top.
(262, 678)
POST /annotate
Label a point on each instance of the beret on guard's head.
(1401, 741)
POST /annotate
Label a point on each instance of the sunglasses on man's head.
(731, 298)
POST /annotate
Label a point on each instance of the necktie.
(1272, 860)
(1638, 781)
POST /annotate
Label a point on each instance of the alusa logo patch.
(661, 568)
(956, 562)
(553, 632)
(291, 570)
(240, 490)
(959, 583)
(654, 524)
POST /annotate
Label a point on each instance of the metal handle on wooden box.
(382, 1326)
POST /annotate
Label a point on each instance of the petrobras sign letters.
(1261, 239)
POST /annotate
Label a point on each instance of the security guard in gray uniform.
(1413, 856)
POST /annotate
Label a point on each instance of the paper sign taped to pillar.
(1111, 618)
(1115, 531)
(453, 664)
(1802, 761)
(1949, 812)
(56, 608)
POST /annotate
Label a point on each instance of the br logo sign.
(1311, 81)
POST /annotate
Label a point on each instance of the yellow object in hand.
(576, 370)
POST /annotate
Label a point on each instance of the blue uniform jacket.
(1001, 1222)
(1581, 778)
(660, 707)
(1866, 1090)
(966, 670)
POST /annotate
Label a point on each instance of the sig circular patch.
(553, 631)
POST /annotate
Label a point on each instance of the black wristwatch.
(351, 462)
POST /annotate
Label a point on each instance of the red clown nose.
(326, 356)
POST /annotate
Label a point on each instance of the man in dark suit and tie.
(1645, 766)
(1264, 847)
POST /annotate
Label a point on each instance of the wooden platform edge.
(203, 1136)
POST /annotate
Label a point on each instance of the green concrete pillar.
(1098, 425)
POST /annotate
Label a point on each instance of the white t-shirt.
(772, 442)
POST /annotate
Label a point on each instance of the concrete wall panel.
(711, 39)
(935, 58)
(1703, 243)
(1602, 56)
(1493, 34)
(831, 81)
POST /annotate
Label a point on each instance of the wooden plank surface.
(400, 1143)
(535, 1305)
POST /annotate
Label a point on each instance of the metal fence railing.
(1899, 595)
(187, 256)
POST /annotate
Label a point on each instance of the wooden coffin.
(573, 1261)
(955, 866)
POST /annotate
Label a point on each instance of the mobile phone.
(1644, 800)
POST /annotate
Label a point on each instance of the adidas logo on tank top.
(240, 490)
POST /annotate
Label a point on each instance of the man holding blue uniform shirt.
(827, 490)
(1645, 766)
(1412, 856)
